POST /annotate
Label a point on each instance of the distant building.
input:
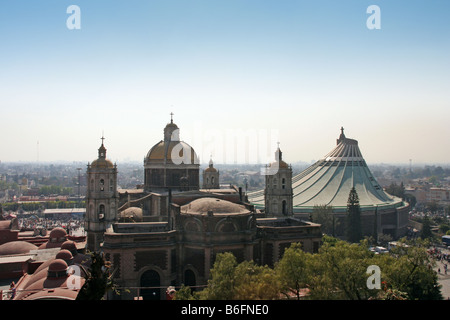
(439, 195)
(329, 181)
(211, 177)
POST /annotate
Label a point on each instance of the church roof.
(329, 181)
(203, 206)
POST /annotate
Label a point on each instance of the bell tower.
(101, 198)
(211, 177)
(278, 193)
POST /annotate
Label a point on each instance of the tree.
(410, 270)
(433, 206)
(292, 270)
(396, 190)
(354, 233)
(99, 279)
(243, 281)
(426, 228)
(185, 293)
(221, 284)
(254, 282)
(339, 272)
(323, 214)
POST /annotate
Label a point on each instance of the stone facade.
(182, 249)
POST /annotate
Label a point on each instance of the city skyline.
(293, 72)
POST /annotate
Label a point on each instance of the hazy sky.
(266, 70)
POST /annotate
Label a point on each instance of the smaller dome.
(102, 163)
(16, 247)
(58, 232)
(281, 164)
(70, 245)
(132, 213)
(279, 160)
(5, 225)
(211, 167)
(213, 205)
(65, 255)
(58, 265)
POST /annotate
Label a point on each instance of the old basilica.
(169, 231)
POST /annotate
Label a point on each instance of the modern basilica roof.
(330, 179)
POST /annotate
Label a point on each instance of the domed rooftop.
(58, 265)
(330, 179)
(58, 233)
(171, 149)
(211, 167)
(65, 255)
(102, 162)
(279, 162)
(132, 213)
(16, 247)
(57, 237)
(203, 206)
(5, 224)
(69, 245)
(176, 152)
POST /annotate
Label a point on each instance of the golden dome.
(102, 163)
(281, 164)
(165, 151)
(279, 160)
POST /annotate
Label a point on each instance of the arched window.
(102, 185)
(212, 180)
(283, 183)
(275, 183)
(284, 207)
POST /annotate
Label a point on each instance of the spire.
(171, 131)
(278, 153)
(102, 149)
(341, 137)
(211, 164)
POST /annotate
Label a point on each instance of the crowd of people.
(441, 256)
(68, 223)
